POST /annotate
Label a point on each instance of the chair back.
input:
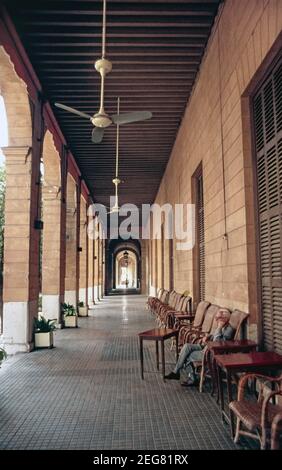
(164, 297)
(200, 313)
(160, 293)
(237, 321)
(171, 296)
(185, 306)
(209, 323)
(178, 302)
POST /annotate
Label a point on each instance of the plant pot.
(70, 321)
(83, 311)
(44, 340)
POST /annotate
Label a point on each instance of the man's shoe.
(190, 383)
(172, 376)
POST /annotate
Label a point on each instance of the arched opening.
(126, 270)
(20, 236)
(123, 267)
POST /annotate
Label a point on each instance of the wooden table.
(267, 362)
(226, 347)
(157, 334)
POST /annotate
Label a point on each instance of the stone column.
(83, 254)
(91, 242)
(54, 209)
(71, 276)
(21, 251)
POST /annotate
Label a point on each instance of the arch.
(21, 239)
(125, 269)
(14, 92)
(113, 250)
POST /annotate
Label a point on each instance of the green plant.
(42, 325)
(68, 310)
(80, 304)
(3, 354)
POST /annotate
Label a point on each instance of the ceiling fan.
(116, 181)
(101, 119)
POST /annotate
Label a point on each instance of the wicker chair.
(208, 327)
(237, 321)
(174, 303)
(257, 416)
(182, 306)
(197, 323)
(156, 302)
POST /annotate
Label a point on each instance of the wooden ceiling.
(156, 49)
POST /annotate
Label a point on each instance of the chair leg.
(237, 433)
(263, 440)
(202, 378)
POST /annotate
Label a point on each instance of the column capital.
(21, 150)
(16, 155)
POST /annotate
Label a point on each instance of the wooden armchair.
(182, 307)
(197, 323)
(208, 327)
(256, 416)
(237, 320)
(151, 301)
(158, 302)
(174, 304)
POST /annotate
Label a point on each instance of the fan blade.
(72, 110)
(126, 118)
(97, 135)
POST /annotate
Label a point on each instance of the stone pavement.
(87, 392)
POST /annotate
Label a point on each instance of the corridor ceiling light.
(101, 119)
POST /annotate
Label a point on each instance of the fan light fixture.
(101, 119)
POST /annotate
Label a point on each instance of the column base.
(70, 297)
(91, 301)
(96, 294)
(83, 296)
(51, 307)
(18, 319)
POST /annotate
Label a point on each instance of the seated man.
(194, 352)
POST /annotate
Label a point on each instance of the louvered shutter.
(268, 139)
(201, 237)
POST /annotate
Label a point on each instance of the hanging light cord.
(117, 141)
(104, 31)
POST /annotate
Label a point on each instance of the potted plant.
(3, 355)
(70, 315)
(43, 332)
(82, 309)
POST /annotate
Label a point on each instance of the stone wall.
(216, 131)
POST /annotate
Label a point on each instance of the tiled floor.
(87, 393)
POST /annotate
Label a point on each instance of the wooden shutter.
(201, 236)
(268, 140)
